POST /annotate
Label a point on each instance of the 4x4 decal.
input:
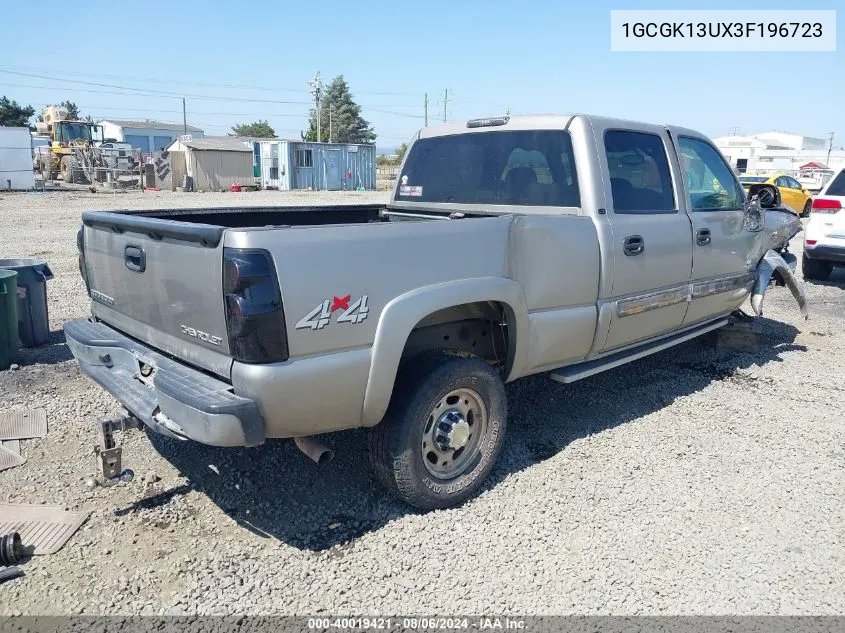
(321, 315)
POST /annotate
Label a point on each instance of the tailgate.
(160, 281)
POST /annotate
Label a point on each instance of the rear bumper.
(177, 400)
(833, 254)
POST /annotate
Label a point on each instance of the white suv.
(824, 235)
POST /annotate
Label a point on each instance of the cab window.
(711, 183)
(521, 167)
(640, 181)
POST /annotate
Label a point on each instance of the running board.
(572, 373)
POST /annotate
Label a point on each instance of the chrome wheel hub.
(453, 434)
(452, 431)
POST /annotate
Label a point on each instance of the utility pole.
(316, 86)
(508, 111)
(829, 148)
(445, 101)
(184, 117)
(425, 107)
(331, 107)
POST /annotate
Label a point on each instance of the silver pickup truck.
(510, 246)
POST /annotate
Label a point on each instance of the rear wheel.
(815, 269)
(443, 430)
(807, 206)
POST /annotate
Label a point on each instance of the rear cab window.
(528, 168)
(640, 179)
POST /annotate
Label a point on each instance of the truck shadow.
(276, 492)
(51, 353)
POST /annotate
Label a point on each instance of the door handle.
(702, 238)
(633, 245)
(135, 258)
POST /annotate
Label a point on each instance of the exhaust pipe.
(11, 549)
(316, 451)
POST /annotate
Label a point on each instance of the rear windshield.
(532, 168)
(837, 186)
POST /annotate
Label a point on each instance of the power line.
(410, 116)
(28, 72)
(149, 92)
(264, 114)
(191, 96)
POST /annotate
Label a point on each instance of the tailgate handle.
(135, 258)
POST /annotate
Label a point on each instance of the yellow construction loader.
(74, 153)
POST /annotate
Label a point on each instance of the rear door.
(721, 270)
(652, 252)
(159, 281)
(331, 158)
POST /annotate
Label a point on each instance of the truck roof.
(523, 122)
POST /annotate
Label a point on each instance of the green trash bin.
(33, 320)
(8, 318)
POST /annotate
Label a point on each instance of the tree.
(72, 112)
(339, 111)
(259, 129)
(400, 152)
(12, 114)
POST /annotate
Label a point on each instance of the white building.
(771, 152)
(148, 136)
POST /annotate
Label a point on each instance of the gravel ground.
(704, 480)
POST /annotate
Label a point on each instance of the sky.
(239, 62)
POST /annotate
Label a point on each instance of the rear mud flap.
(773, 262)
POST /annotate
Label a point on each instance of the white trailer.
(16, 171)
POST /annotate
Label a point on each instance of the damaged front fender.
(773, 262)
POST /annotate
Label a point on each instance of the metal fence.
(387, 172)
(90, 167)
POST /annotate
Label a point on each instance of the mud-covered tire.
(66, 168)
(815, 269)
(79, 176)
(808, 206)
(396, 444)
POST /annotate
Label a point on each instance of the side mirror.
(755, 215)
(768, 195)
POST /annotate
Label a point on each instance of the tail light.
(83, 268)
(255, 319)
(826, 205)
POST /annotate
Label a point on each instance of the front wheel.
(66, 168)
(443, 430)
(815, 269)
